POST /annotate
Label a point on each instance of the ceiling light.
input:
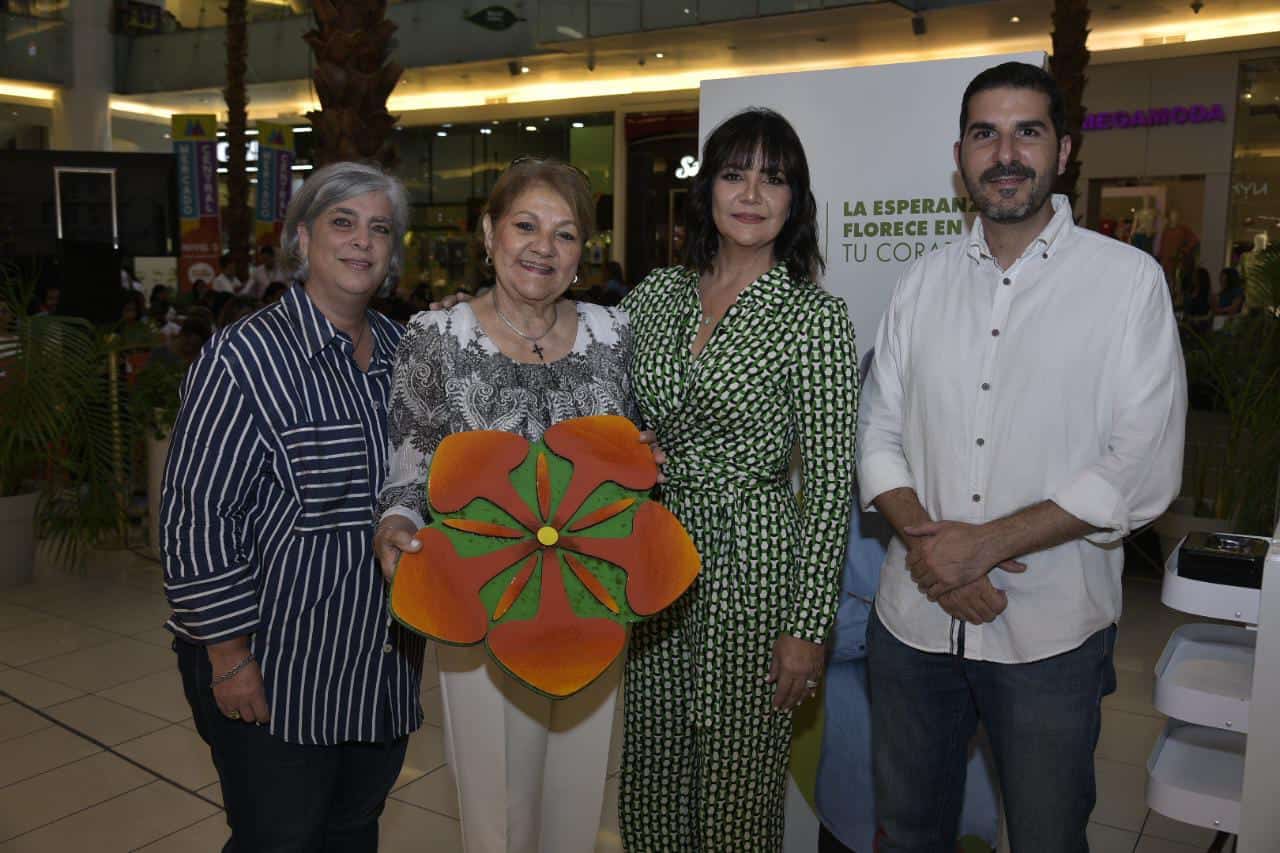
(532, 128)
(1015, 20)
(304, 129)
(222, 133)
(579, 124)
(303, 167)
(659, 55)
(447, 124)
(1248, 96)
(546, 118)
(442, 133)
(495, 121)
(486, 130)
(524, 69)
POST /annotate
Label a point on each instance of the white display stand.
(1203, 770)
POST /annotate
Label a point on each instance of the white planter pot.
(157, 451)
(18, 539)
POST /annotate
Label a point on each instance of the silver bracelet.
(233, 672)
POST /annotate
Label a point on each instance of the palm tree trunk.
(1068, 63)
(236, 95)
(354, 75)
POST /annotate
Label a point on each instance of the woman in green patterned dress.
(739, 357)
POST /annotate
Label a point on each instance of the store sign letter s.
(688, 167)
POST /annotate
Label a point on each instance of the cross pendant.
(537, 350)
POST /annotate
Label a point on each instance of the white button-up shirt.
(1060, 378)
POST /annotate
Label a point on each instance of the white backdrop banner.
(879, 147)
(879, 143)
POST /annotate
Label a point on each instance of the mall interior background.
(612, 87)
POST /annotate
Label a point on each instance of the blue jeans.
(1043, 720)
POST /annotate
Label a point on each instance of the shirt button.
(1045, 256)
(386, 649)
(1008, 281)
(995, 333)
(981, 442)
(977, 498)
(986, 386)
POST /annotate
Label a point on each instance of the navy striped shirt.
(267, 519)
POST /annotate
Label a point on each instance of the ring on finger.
(811, 683)
(234, 715)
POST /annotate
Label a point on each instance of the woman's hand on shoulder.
(447, 302)
(394, 536)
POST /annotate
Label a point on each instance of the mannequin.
(1178, 245)
(1248, 266)
(1143, 235)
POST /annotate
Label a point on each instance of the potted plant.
(1236, 371)
(58, 474)
(153, 409)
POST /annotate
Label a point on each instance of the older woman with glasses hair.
(530, 770)
(298, 680)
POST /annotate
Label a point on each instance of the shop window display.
(1254, 218)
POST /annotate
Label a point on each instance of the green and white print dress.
(704, 756)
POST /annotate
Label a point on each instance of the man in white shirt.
(227, 281)
(1025, 411)
(264, 272)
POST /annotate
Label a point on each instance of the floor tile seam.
(38, 774)
(142, 784)
(94, 806)
(98, 695)
(427, 809)
(102, 747)
(147, 844)
(118, 636)
(4, 740)
(95, 690)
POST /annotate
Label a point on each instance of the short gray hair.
(332, 185)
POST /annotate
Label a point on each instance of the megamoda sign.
(1156, 117)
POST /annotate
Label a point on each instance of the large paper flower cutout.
(544, 551)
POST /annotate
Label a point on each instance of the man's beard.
(1006, 211)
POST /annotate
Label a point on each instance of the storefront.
(1181, 158)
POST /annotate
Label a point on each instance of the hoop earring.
(488, 259)
(575, 279)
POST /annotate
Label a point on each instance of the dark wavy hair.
(754, 133)
(1017, 75)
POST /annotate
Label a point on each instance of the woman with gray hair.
(300, 683)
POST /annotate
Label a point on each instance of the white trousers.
(530, 770)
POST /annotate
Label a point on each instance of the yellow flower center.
(548, 536)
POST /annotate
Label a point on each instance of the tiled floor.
(87, 651)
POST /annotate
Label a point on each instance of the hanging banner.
(200, 246)
(275, 182)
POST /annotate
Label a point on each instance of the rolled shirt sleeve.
(1139, 471)
(216, 456)
(882, 462)
(824, 391)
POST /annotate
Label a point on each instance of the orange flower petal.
(517, 585)
(658, 557)
(602, 515)
(557, 651)
(469, 465)
(484, 528)
(544, 487)
(436, 591)
(591, 582)
(603, 449)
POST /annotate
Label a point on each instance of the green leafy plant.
(55, 405)
(153, 400)
(1240, 365)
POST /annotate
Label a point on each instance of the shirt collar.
(317, 332)
(1047, 242)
